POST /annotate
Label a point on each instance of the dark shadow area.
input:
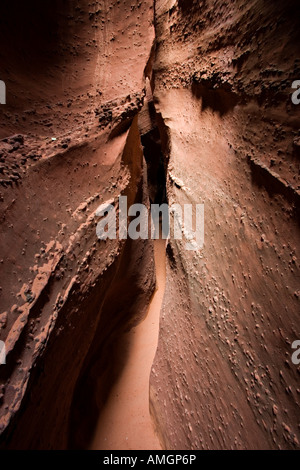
(154, 156)
(217, 99)
(262, 177)
(186, 5)
(155, 167)
(34, 32)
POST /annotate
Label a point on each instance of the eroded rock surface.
(210, 102)
(70, 141)
(223, 375)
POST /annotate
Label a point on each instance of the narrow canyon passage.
(190, 104)
(125, 422)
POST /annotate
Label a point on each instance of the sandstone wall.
(223, 375)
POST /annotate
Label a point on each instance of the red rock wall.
(223, 376)
(70, 140)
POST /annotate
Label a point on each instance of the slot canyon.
(123, 343)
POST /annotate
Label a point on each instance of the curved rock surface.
(74, 74)
(223, 375)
